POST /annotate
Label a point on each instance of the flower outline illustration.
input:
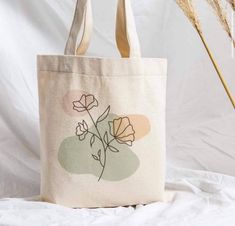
(86, 102)
(120, 130)
(82, 130)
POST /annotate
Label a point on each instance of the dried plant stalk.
(232, 3)
(190, 12)
(221, 14)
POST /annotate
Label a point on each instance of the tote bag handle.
(126, 34)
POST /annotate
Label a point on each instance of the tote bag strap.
(126, 34)
(82, 14)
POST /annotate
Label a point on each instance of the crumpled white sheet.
(200, 199)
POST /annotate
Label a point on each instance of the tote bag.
(102, 120)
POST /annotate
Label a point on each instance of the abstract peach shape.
(67, 104)
(141, 125)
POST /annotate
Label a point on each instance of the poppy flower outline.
(86, 103)
(122, 130)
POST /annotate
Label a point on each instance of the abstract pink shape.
(67, 103)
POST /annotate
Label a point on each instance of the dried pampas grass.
(232, 3)
(221, 14)
(189, 10)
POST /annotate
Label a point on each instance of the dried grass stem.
(232, 3)
(217, 69)
(190, 12)
(222, 16)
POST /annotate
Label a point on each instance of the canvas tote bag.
(102, 120)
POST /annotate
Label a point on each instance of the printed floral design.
(82, 130)
(120, 130)
(87, 102)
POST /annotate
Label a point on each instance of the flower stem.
(101, 139)
(103, 166)
(93, 121)
(217, 69)
(94, 134)
(105, 156)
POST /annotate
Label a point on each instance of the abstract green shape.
(75, 156)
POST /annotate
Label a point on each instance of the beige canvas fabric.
(102, 120)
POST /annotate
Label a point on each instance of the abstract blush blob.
(67, 102)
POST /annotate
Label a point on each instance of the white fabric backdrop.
(200, 119)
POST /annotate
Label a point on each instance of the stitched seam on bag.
(117, 75)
